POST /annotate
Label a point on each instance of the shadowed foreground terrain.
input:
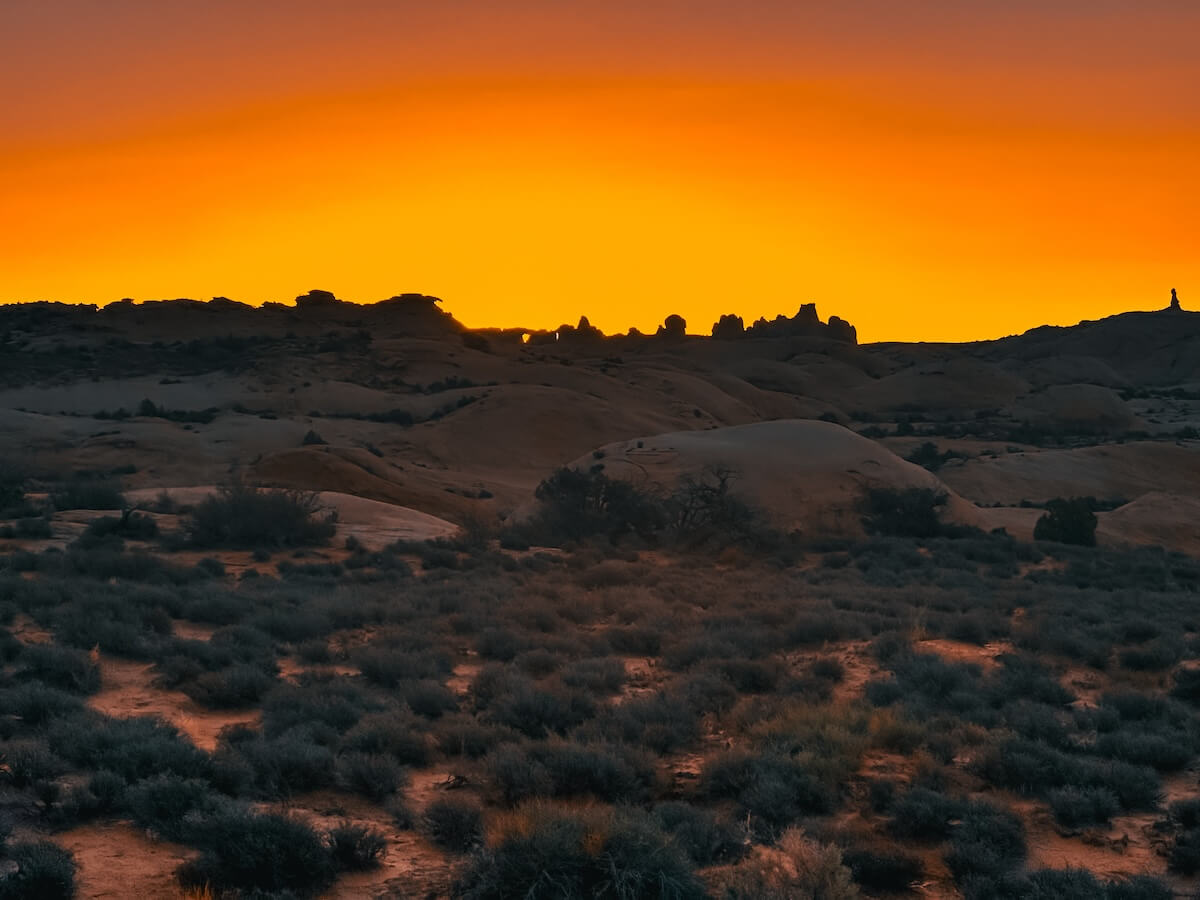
(347, 601)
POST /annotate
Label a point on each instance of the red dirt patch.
(464, 676)
(640, 677)
(412, 865)
(957, 651)
(119, 860)
(27, 631)
(1086, 684)
(290, 669)
(191, 631)
(127, 690)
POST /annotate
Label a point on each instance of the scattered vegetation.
(616, 722)
(243, 517)
(1068, 522)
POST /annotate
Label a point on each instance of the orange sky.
(942, 171)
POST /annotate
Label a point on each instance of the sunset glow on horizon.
(949, 172)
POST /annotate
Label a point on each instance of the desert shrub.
(819, 626)
(467, 736)
(535, 712)
(1136, 787)
(427, 698)
(924, 814)
(390, 734)
(927, 682)
(248, 852)
(27, 762)
(927, 456)
(107, 787)
(883, 869)
(213, 607)
(911, 512)
(13, 475)
(314, 651)
(751, 676)
(238, 686)
(324, 570)
(1185, 813)
(499, 644)
(881, 794)
(244, 517)
(1184, 854)
(561, 769)
(107, 563)
(706, 840)
(1068, 522)
(795, 867)
(454, 824)
(150, 409)
(35, 704)
(706, 692)
(437, 557)
(30, 528)
(1077, 807)
(130, 525)
(1154, 656)
(609, 574)
(287, 764)
(889, 646)
(161, 803)
(133, 748)
(84, 493)
(1023, 678)
(702, 507)
(493, 681)
(772, 791)
(658, 721)
(388, 667)
(333, 702)
(988, 842)
(356, 847)
(580, 854)
(373, 775)
(637, 640)
(1162, 752)
(101, 796)
(539, 662)
(1037, 722)
(1064, 884)
(1134, 706)
(976, 628)
(38, 869)
(824, 741)
(1138, 887)
(289, 623)
(828, 668)
(1187, 685)
(574, 504)
(60, 667)
(600, 675)
(1035, 768)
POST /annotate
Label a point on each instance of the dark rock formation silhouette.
(317, 300)
(586, 330)
(1175, 301)
(841, 330)
(673, 327)
(806, 323)
(729, 326)
(322, 312)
